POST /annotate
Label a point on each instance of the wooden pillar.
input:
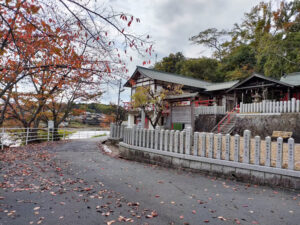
(289, 94)
(234, 99)
(192, 102)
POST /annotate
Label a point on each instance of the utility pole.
(119, 94)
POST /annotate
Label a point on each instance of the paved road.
(78, 184)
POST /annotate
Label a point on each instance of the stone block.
(272, 179)
(257, 177)
(195, 165)
(217, 168)
(227, 170)
(242, 175)
(205, 166)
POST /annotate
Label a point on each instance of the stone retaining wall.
(264, 125)
(234, 170)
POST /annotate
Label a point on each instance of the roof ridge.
(175, 74)
(292, 74)
(216, 83)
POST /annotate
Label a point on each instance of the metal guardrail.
(13, 137)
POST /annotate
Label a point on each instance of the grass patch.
(99, 135)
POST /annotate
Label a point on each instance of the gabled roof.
(292, 79)
(262, 77)
(168, 77)
(221, 86)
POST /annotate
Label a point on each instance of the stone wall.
(264, 125)
(205, 123)
(208, 152)
(232, 170)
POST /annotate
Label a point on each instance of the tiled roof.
(292, 79)
(221, 86)
(170, 77)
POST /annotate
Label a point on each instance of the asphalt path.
(74, 182)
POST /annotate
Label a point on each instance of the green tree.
(266, 41)
(170, 63)
(201, 68)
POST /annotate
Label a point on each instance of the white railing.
(202, 110)
(13, 137)
(266, 106)
(222, 148)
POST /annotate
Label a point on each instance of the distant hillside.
(97, 108)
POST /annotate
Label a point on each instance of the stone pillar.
(181, 142)
(263, 106)
(171, 145)
(284, 107)
(241, 107)
(128, 135)
(268, 151)
(247, 147)
(279, 152)
(111, 130)
(133, 135)
(148, 138)
(203, 144)
(236, 147)
(124, 135)
(257, 149)
(140, 137)
(118, 131)
(161, 140)
(293, 105)
(188, 141)
(289, 106)
(274, 107)
(143, 119)
(219, 146)
(144, 138)
(152, 139)
(227, 146)
(291, 153)
(176, 140)
(196, 143)
(156, 139)
(166, 142)
(211, 145)
(298, 105)
(267, 107)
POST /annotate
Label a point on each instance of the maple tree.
(48, 48)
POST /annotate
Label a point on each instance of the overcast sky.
(171, 23)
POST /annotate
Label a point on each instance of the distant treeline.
(97, 108)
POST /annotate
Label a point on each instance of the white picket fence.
(187, 143)
(202, 110)
(266, 106)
